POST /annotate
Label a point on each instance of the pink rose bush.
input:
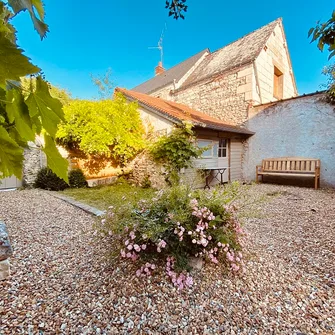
(175, 226)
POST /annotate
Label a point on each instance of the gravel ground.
(61, 283)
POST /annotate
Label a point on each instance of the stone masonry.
(144, 170)
(5, 252)
(224, 96)
(34, 160)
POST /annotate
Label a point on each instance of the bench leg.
(316, 182)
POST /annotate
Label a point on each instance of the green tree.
(111, 128)
(25, 111)
(324, 34)
(104, 84)
(329, 71)
(176, 8)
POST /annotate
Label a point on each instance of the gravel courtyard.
(61, 282)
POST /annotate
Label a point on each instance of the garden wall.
(299, 127)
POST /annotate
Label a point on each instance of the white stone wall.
(301, 127)
(274, 54)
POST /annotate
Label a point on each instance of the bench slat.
(287, 174)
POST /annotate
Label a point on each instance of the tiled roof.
(167, 77)
(234, 55)
(180, 112)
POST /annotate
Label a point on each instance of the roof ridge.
(252, 32)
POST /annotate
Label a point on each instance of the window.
(278, 83)
(215, 148)
(222, 148)
(207, 144)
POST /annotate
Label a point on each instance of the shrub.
(48, 180)
(176, 150)
(77, 179)
(175, 226)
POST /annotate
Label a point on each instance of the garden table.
(215, 173)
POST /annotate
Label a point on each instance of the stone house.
(250, 83)
(224, 139)
(255, 69)
(242, 98)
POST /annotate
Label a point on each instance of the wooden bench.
(290, 166)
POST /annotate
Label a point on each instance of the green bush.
(48, 180)
(77, 179)
(176, 151)
(175, 226)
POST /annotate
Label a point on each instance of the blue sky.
(88, 39)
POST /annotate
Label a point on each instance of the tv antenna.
(160, 44)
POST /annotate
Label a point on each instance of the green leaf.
(42, 103)
(17, 111)
(11, 156)
(13, 64)
(56, 162)
(310, 32)
(5, 27)
(39, 7)
(22, 5)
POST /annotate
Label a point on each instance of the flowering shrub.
(174, 226)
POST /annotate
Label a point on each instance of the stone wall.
(5, 252)
(34, 160)
(300, 127)
(145, 170)
(163, 92)
(226, 96)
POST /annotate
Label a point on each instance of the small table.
(218, 173)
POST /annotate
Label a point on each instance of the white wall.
(275, 54)
(301, 127)
(151, 119)
(10, 182)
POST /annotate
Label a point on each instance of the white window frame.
(213, 153)
(223, 148)
(215, 148)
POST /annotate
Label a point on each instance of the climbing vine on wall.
(111, 128)
(176, 150)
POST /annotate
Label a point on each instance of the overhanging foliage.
(25, 111)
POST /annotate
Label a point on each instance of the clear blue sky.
(87, 38)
